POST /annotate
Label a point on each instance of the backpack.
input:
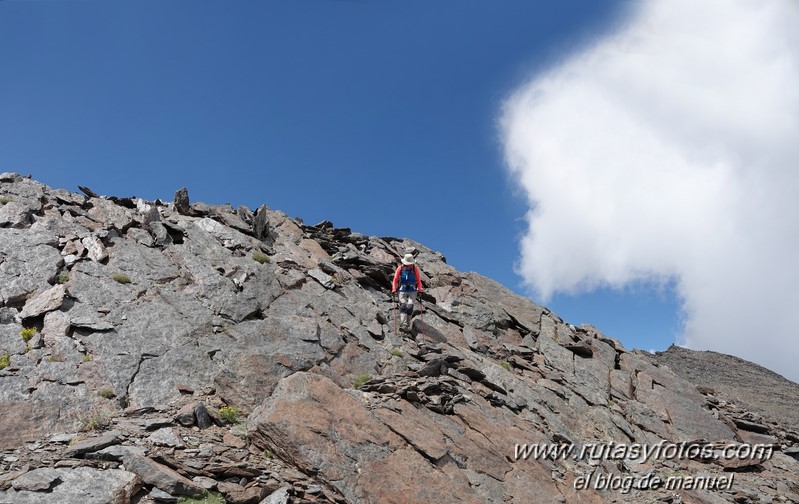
(408, 277)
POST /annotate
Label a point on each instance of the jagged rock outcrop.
(127, 326)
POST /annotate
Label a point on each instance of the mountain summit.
(152, 351)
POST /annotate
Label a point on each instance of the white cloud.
(668, 150)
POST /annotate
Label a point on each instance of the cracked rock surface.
(154, 350)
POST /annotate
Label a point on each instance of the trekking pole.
(394, 298)
(421, 314)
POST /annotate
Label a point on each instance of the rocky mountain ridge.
(152, 351)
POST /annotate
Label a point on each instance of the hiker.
(409, 280)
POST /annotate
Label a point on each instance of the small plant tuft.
(121, 278)
(95, 420)
(56, 358)
(27, 333)
(260, 257)
(230, 414)
(87, 358)
(205, 498)
(505, 366)
(267, 455)
(5, 361)
(359, 381)
(4, 200)
(106, 393)
(396, 352)
(338, 279)
(63, 278)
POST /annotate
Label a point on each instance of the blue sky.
(379, 116)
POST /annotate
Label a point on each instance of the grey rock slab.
(63, 438)
(56, 324)
(60, 365)
(110, 215)
(61, 225)
(95, 248)
(210, 284)
(261, 284)
(240, 220)
(38, 480)
(81, 485)
(161, 476)
(521, 311)
(143, 264)
(10, 341)
(160, 235)
(279, 496)
(15, 215)
(26, 192)
(92, 284)
(155, 381)
(265, 351)
(229, 238)
(200, 243)
(28, 414)
(68, 198)
(93, 322)
(556, 356)
(165, 436)
(116, 453)
(28, 262)
(44, 302)
(285, 228)
(155, 423)
(323, 278)
(93, 444)
(161, 496)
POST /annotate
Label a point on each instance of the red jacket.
(397, 274)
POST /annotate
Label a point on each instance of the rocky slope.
(152, 350)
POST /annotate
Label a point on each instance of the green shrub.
(106, 393)
(121, 278)
(230, 414)
(505, 366)
(359, 381)
(5, 361)
(260, 257)
(396, 352)
(206, 498)
(63, 278)
(56, 358)
(87, 358)
(4, 200)
(27, 333)
(267, 454)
